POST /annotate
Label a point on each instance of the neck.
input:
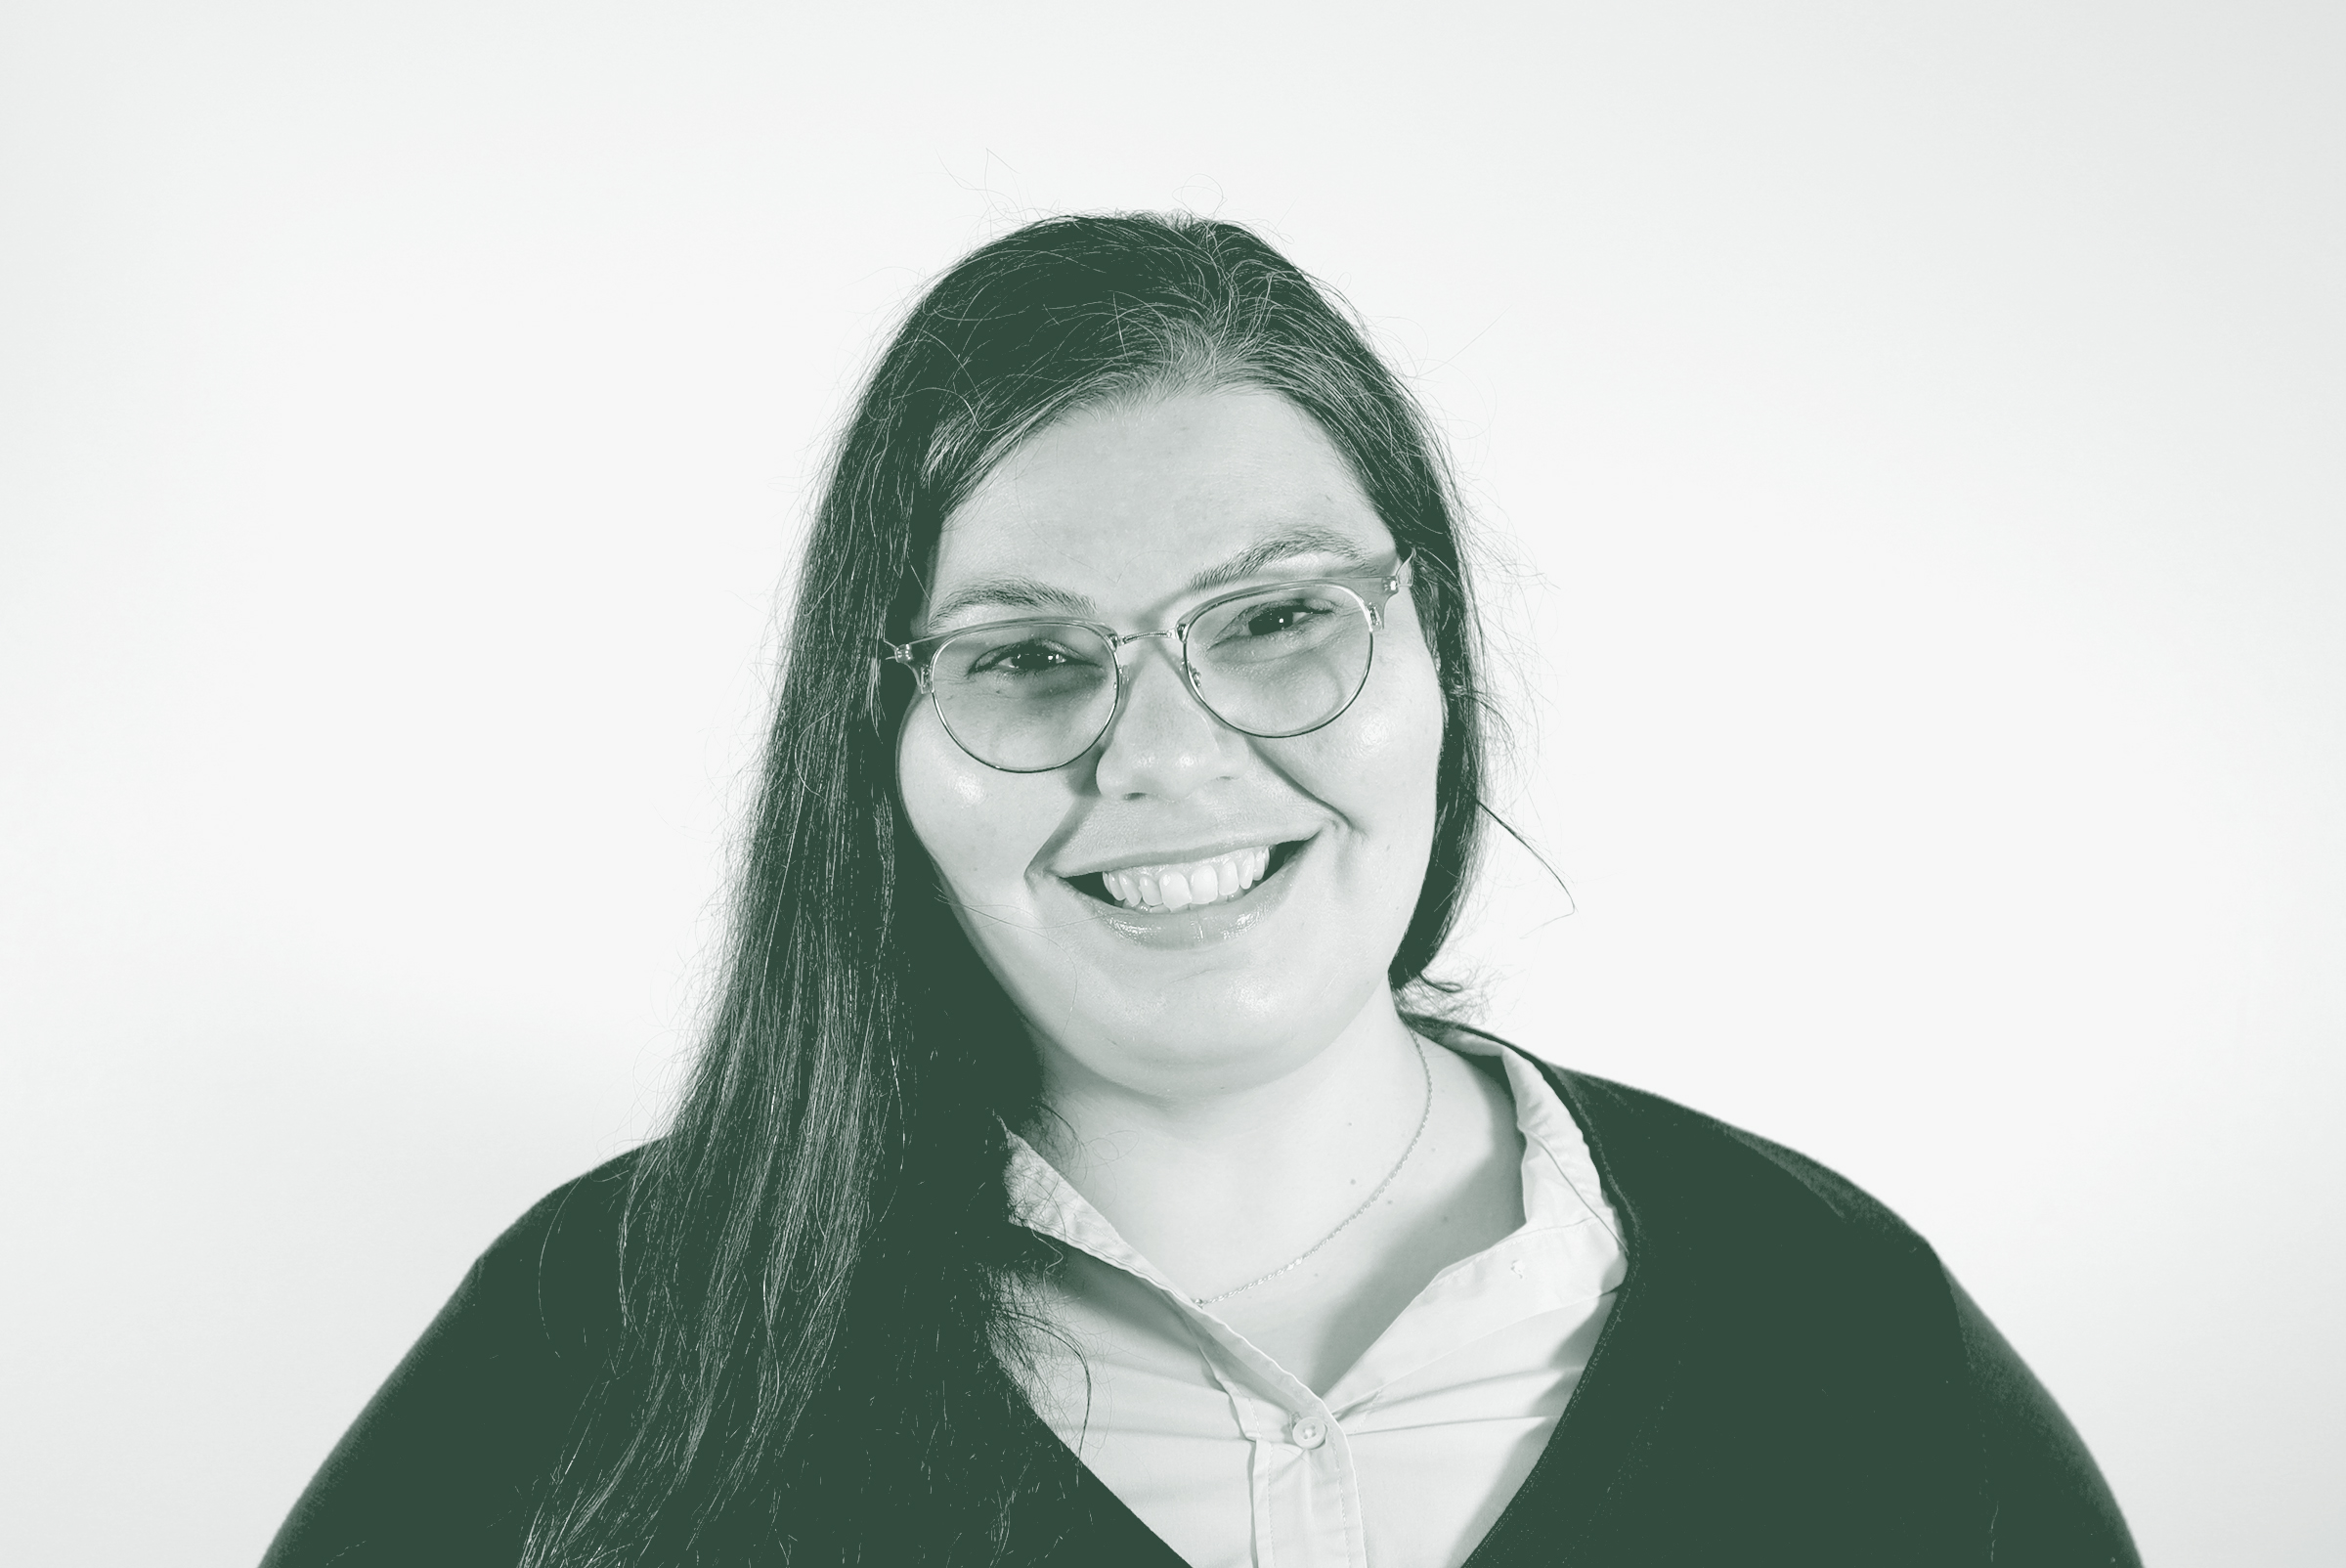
(1195, 1172)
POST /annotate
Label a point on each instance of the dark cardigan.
(1789, 1376)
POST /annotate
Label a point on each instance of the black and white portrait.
(1224, 785)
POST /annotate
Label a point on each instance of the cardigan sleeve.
(2048, 1505)
(444, 1464)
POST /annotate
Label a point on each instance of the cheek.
(984, 828)
(1379, 763)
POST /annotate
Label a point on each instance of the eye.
(1033, 657)
(1291, 617)
(1270, 619)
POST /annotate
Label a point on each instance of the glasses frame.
(1375, 590)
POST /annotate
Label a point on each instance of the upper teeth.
(1191, 882)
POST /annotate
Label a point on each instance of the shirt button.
(1309, 1432)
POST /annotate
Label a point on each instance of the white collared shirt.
(1409, 1459)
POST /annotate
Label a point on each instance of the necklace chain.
(1423, 1118)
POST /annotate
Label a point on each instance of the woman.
(1080, 1169)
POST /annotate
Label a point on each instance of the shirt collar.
(1560, 1185)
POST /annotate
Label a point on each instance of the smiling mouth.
(1198, 884)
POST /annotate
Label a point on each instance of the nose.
(1163, 742)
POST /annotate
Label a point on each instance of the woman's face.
(1120, 512)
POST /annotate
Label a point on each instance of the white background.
(1909, 443)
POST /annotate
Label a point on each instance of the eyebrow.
(1011, 591)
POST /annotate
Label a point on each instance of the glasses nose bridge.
(1176, 657)
(1122, 641)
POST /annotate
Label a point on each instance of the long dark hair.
(820, 1318)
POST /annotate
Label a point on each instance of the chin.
(1220, 1028)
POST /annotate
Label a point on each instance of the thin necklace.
(1423, 1118)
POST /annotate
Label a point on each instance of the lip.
(1198, 925)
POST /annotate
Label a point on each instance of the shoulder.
(1779, 1309)
(1759, 1265)
(1637, 1125)
(558, 1266)
(581, 1211)
(443, 1464)
(1671, 1165)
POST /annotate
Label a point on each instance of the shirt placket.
(1302, 1483)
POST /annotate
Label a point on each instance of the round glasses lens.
(1284, 661)
(1027, 696)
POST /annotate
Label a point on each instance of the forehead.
(1123, 506)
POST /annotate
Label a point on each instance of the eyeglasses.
(1029, 695)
